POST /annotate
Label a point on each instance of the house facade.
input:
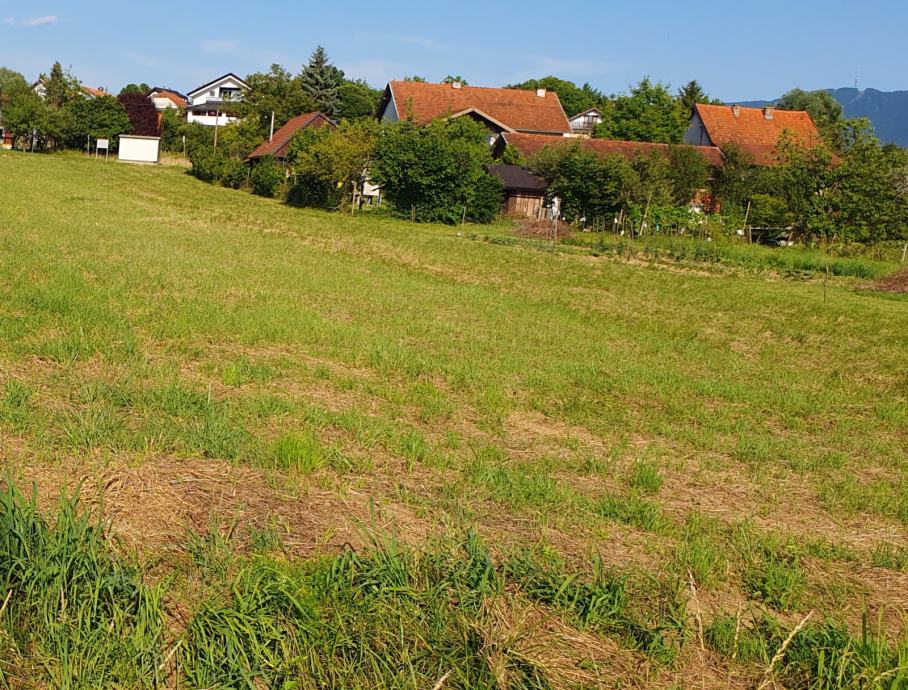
(213, 103)
(755, 131)
(583, 124)
(499, 110)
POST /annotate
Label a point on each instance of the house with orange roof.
(167, 99)
(500, 110)
(755, 131)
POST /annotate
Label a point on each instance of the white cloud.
(46, 20)
(219, 46)
(9, 20)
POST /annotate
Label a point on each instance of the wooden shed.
(524, 192)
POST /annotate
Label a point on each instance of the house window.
(211, 93)
(212, 113)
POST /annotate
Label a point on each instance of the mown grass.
(618, 433)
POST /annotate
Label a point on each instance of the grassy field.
(253, 446)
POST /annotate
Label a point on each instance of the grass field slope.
(247, 446)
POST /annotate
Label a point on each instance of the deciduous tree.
(648, 113)
(574, 99)
(435, 171)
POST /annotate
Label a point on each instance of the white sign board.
(136, 149)
(103, 144)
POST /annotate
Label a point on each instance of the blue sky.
(737, 50)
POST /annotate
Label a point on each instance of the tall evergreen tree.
(60, 86)
(689, 95)
(320, 80)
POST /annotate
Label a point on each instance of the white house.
(166, 99)
(211, 103)
(584, 123)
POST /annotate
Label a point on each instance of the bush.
(434, 171)
(267, 177)
(312, 192)
(488, 197)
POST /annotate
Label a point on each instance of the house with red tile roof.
(755, 131)
(279, 144)
(165, 99)
(530, 144)
(501, 110)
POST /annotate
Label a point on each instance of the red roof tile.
(94, 92)
(520, 110)
(175, 98)
(280, 142)
(531, 144)
(754, 133)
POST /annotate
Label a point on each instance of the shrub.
(267, 177)
(433, 172)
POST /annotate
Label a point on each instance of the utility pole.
(217, 118)
(271, 136)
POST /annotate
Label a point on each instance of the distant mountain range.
(887, 110)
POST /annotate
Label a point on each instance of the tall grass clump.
(385, 617)
(602, 602)
(299, 451)
(75, 616)
(821, 656)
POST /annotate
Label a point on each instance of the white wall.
(390, 114)
(696, 133)
(137, 149)
(203, 96)
(163, 103)
(209, 120)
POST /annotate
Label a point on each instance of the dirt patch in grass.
(530, 428)
(152, 506)
(897, 282)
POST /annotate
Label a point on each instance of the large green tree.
(574, 99)
(275, 91)
(868, 196)
(356, 99)
(334, 160)
(320, 80)
(436, 171)
(60, 86)
(10, 81)
(690, 95)
(648, 113)
(824, 109)
(97, 118)
(588, 185)
(26, 114)
(142, 88)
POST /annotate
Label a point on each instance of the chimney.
(540, 93)
(769, 112)
(456, 84)
(736, 110)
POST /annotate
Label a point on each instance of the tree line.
(852, 188)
